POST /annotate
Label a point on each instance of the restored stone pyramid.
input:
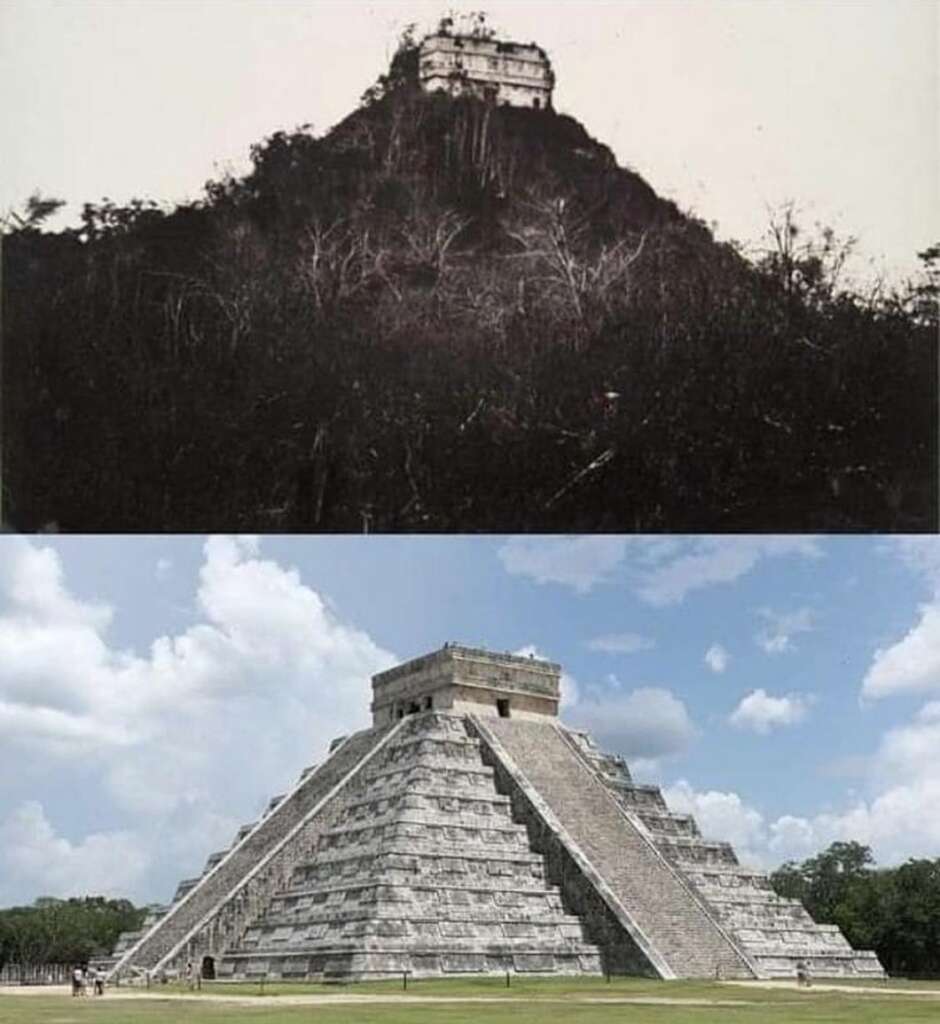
(468, 831)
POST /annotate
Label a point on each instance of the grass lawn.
(550, 1001)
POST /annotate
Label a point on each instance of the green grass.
(533, 988)
(535, 1001)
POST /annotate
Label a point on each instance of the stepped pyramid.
(468, 831)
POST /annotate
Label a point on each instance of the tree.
(910, 935)
(64, 931)
(402, 72)
(789, 881)
(807, 268)
(895, 911)
(923, 296)
(36, 211)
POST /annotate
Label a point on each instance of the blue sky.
(155, 692)
(725, 106)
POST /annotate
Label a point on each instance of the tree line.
(64, 931)
(894, 911)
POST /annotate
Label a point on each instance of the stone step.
(751, 898)
(693, 851)
(662, 908)
(408, 823)
(350, 960)
(664, 824)
(549, 935)
(767, 916)
(726, 878)
(636, 797)
(468, 780)
(184, 887)
(366, 804)
(421, 858)
(497, 890)
(499, 877)
(797, 941)
(417, 913)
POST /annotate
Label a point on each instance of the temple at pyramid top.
(469, 831)
(498, 71)
(467, 680)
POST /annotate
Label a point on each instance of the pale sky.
(155, 692)
(725, 106)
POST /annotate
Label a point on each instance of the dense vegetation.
(447, 316)
(71, 931)
(894, 911)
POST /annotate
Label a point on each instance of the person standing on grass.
(77, 981)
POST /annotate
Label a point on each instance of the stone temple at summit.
(468, 831)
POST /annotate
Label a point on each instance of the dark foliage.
(71, 931)
(895, 911)
(447, 316)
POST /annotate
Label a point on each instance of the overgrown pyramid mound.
(469, 832)
(449, 315)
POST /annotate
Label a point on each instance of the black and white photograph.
(375, 267)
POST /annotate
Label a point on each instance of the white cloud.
(708, 561)
(922, 554)
(163, 568)
(717, 658)
(270, 670)
(578, 562)
(34, 859)
(777, 635)
(762, 712)
(912, 665)
(909, 753)
(31, 578)
(648, 723)
(663, 570)
(898, 820)
(621, 643)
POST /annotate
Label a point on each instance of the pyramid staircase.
(569, 802)
(772, 931)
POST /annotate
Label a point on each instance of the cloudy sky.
(155, 692)
(726, 106)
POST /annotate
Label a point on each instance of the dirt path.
(829, 986)
(340, 999)
(352, 998)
